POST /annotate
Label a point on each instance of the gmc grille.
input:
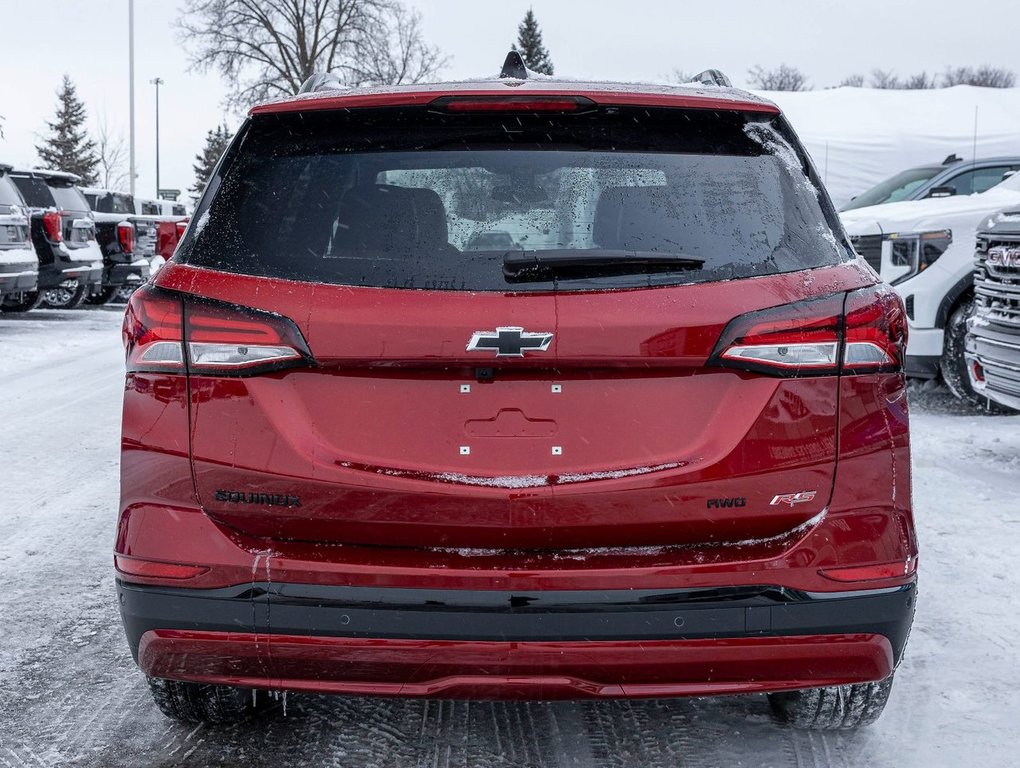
(997, 288)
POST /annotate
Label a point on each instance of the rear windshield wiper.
(533, 266)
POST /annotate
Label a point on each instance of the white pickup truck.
(925, 249)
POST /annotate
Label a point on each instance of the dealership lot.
(73, 696)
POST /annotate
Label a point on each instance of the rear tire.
(23, 302)
(65, 298)
(200, 703)
(105, 296)
(953, 365)
(840, 707)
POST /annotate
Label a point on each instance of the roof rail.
(5, 168)
(320, 81)
(712, 77)
(513, 67)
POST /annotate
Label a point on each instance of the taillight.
(52, 224)
(863, 331)
(126, 236)
(174, 333)
(876, 331)
(181, 226)
(790, 340)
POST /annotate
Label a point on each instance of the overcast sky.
(636, 40)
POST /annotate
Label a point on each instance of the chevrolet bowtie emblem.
(509, 342)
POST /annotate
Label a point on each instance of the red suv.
(656, 448)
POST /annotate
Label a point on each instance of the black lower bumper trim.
(921, 366)
(301, 609)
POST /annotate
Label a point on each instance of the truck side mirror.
(946, 190)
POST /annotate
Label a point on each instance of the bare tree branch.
(111, 152)
(267, 48)
(782, 78)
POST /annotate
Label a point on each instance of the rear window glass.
(111, 202)
(69, 198)
(8, 192)
(35, 191)
(615, 197)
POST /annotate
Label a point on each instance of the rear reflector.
(894, 570)
(132, 566)
(51, 223)
(175, 333)
(863, 331)
(512, 104)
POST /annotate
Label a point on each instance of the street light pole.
(157, 82)
(131, 90)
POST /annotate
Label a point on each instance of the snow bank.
(859, 136)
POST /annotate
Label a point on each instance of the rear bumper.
(15, 278)
(52, 275)
(540, 644)
(118, 275)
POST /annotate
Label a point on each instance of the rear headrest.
(638, 219)
(381, 217)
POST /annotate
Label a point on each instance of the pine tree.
(68, 148)
(529, 45)
(216, 142)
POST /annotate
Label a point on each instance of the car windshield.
(412, 199)
(895, 189)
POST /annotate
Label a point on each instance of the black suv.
(993, 332)
(19, 267)
(64, 236)
(128, 242)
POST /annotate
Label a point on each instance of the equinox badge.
(509, 341)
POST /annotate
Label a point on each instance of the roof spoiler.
(712, 77)
(320, 81)
(46, 173)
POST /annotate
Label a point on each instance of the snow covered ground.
(70, 694)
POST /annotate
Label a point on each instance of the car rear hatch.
(358, 376)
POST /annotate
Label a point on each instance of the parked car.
(925, 249)
(64, 237)
(128, 242)
(993, 338)
(951, 177)
(666, 454)
(163, 208)
(19, 267)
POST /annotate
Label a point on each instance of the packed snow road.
(70, 694)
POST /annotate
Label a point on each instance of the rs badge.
(793, 498)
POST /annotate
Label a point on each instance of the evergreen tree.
(216, 142)
(529, 45)
(68, 148)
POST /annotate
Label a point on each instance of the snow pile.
(860, 136)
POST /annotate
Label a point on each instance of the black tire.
(199, 703)
(26, 302)
(953, 365)
(105, 296)
(840, 707)
(65, 298)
